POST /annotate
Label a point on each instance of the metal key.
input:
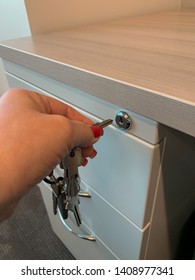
(104, 123)
(62, 198)
(55, 203)
(70, 165)
(59, 197)
(73, 205)
(71, 176)
(61, 201)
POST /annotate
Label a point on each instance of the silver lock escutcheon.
(123, 120)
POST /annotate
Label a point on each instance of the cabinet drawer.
(116, 236)
(80, 248)
(142, 127)
(125, 239)
(124, 171)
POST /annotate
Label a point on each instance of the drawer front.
(116, 237)
(142, 127)
(124, 171)
(80, 248)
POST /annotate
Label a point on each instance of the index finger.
(57, 107)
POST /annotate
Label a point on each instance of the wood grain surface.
(152, 57)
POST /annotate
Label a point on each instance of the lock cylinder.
(123, 120)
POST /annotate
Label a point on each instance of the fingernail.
(97, 130)
(93, 154)
(85, 161)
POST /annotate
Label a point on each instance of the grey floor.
(27, 234)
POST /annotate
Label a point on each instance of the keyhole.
(120, 121)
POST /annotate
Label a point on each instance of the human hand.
(36, 132)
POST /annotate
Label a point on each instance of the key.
(59, 197)
(73, 205)
(61, 201)
(104, 123)
(55, 191)
(62, 198)
(70, 164)
(55, 203)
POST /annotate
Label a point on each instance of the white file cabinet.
(141, 184)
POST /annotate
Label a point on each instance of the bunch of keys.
(65, 190)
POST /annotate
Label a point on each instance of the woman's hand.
(36, 131)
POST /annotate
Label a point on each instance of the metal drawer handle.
(84, 194)
(82, 236)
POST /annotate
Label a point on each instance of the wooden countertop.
(145, 64)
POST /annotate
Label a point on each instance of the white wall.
(13, 24)
(50, 15)
(187, 4)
